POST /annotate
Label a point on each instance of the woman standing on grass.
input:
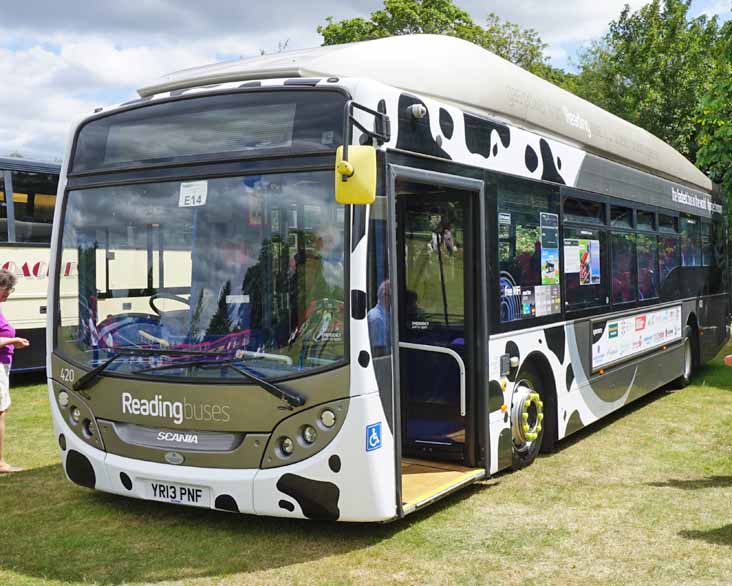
(8, 344)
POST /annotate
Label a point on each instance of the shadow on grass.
(720, 536)
(610, 419)
(698, 484)
(55, 530)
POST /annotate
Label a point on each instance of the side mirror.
(355, 178)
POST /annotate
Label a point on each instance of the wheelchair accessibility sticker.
(373, 437)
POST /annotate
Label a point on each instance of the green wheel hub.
(527, 415)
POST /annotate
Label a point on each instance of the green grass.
(644, 497)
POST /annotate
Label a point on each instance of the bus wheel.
(527, 418)
(685, 378)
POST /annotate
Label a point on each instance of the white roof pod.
(464, 74)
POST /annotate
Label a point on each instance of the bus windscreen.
(209, 127)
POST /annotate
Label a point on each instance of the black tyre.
(689, 359)
(531, 418)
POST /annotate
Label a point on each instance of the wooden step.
(424, 481)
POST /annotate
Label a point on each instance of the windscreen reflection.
(247, 268)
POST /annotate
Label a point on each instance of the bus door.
(437, 314)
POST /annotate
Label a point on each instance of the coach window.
(718, 280)
(585, 253)
(647, 248)
(528, 250)
(584, 212)
(3, 210)
(646, 220)
(621, 217)
(707, 247)
(33, 200)
(689, 229)
(623, 272)
(669, 257)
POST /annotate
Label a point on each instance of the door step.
(424, 481)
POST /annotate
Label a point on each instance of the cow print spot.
(287, 505)
(530, 158)
(446, 124)
(479, 133)
(335, 463)
(549, 172)
(226, 502)
(317, 499)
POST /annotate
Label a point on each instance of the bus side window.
(34, 198)
(585, 254)
(584, 263)
(647, 247)
(528, 250)
(3, 210)
(623, 271)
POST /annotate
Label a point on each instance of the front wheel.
(527, 418)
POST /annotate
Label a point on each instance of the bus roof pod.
(458, 72)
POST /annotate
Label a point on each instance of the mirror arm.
(380, 120)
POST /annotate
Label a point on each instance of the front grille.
(176, 439)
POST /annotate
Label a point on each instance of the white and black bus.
(344, 282)
(27, 199)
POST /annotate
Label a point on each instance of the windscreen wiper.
(90, 377)
(292, 398)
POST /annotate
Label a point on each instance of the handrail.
(455, 355)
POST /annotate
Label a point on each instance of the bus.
(345, 282)
(27, 201)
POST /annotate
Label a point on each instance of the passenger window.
(669, 262)
(3, 210)
(33, 200)
(647, 263)
(707, 246)
(646, 220)
(528, 237)
(668, 224)
(584, 253)
(623, 267)
(690, 248)
(585, 212)
(622, 217)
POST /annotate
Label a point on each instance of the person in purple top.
(8, 343)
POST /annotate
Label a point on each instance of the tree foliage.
(523, 47)
(652, 68)
(715, 121)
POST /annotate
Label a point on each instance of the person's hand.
(20, 343)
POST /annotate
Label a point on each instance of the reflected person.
(379, 318)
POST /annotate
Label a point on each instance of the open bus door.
(439, 326)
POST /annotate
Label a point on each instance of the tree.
(221, 322)
(652, 68)
(523, 47)
(715, 122)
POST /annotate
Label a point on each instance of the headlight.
(309, 434)
(287, 446)
(328, 418)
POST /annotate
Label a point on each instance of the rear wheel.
(527, 417)
(685, 378)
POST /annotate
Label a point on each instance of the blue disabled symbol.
(373, 437)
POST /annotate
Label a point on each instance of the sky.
(61, 59)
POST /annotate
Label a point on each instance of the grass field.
(643, 498)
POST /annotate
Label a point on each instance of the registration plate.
(181, 494)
